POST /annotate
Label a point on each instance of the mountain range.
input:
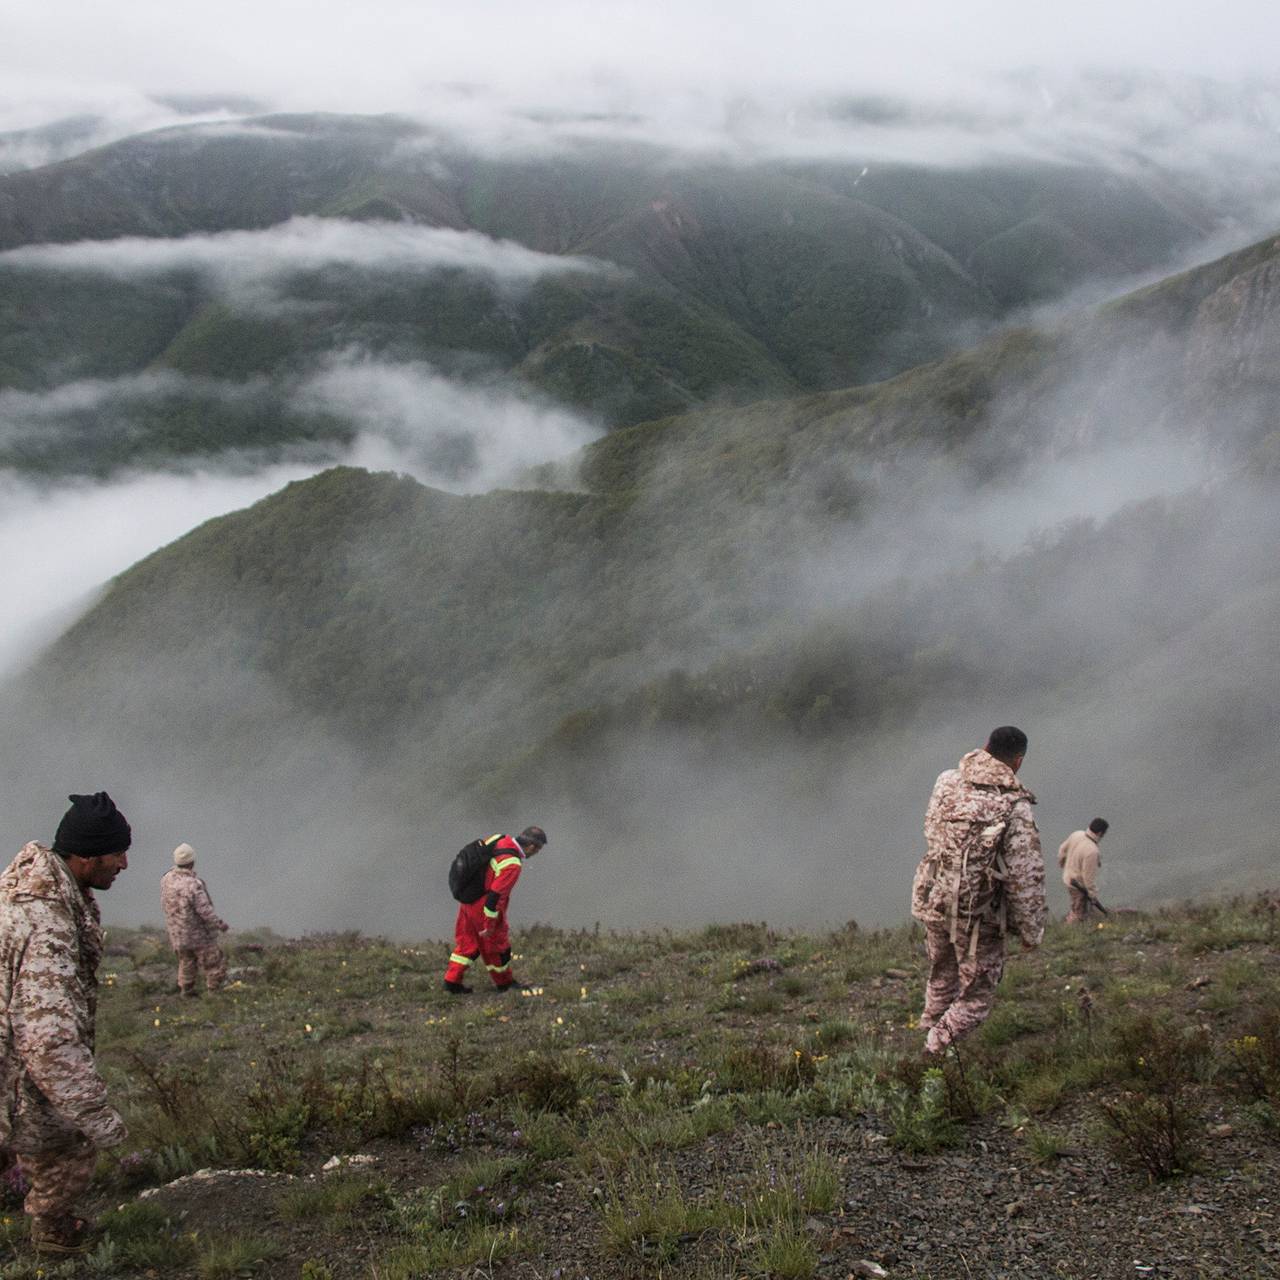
(173, 295)
(742, 637)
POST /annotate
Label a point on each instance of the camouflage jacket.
(188, 910)
(982, 862)
(50, 946)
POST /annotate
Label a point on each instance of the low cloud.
(445, 433)
(61, 540)
(45, 118)
(59, 545)
(252, 264)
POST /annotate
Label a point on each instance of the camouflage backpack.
(959, 881)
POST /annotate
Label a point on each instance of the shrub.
(1156, 1134)
(1255, 1059)
(1160, 1054)
(919, 1119)
(540, 1083)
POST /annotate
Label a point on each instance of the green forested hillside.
(737, 281)
(765, 588)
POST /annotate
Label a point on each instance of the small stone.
(866, 1268)
(899, 973)
(1221, 1130)
(1014, 1209)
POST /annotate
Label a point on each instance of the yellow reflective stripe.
(457, 959)
(498, 968)
(493, 915)
(492, 839)
(499, 865)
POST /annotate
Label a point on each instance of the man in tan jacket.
(192, 923)
(1079, 859)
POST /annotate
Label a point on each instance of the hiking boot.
(189, 993)
(61, 1235)
(515, 986)
(456, 988)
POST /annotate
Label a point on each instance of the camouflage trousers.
(208, 960)
(961, 988)
(1079, 911)
(57, 1177)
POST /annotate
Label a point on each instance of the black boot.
(456, 988)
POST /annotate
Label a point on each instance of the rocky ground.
(730, 1103)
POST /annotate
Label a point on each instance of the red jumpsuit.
(481, 926)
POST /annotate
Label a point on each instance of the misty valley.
(688, 479)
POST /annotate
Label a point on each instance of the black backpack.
(466, 871)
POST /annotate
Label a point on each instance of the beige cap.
(184, 856)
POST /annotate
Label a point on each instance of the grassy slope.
(723, 1103)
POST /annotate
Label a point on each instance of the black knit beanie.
(91, 827)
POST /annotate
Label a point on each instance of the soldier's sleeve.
(47, 1039)
(1062, 852)
(1025, 885)
(202, 905)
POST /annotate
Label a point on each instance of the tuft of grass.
(142, 1235)
(474, 1244)
(1044, 1144)
(832, 1033)
(753, 1068)
(645, 1212)
(543, 1134)
(1009, 1022)
(786, 1253)
(236, 1256)
(540, 1082)
(754, 939)
(340, 1196)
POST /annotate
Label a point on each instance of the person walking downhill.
(982, 876)
(1079, 858)
(192, 924)
(55, 1115)
(482, 878)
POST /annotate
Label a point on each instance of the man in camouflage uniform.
(192, 923)
(55, 1115)
(982, 876)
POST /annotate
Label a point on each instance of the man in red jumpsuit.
(481, 927)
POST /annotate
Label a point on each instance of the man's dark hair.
(1007, 743)
(1099, 826)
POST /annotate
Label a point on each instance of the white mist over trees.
(720, 656)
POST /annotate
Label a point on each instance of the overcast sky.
(65, 55)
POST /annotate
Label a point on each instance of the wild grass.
(340, 1196)
(635, 1090)
(236, 1256)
